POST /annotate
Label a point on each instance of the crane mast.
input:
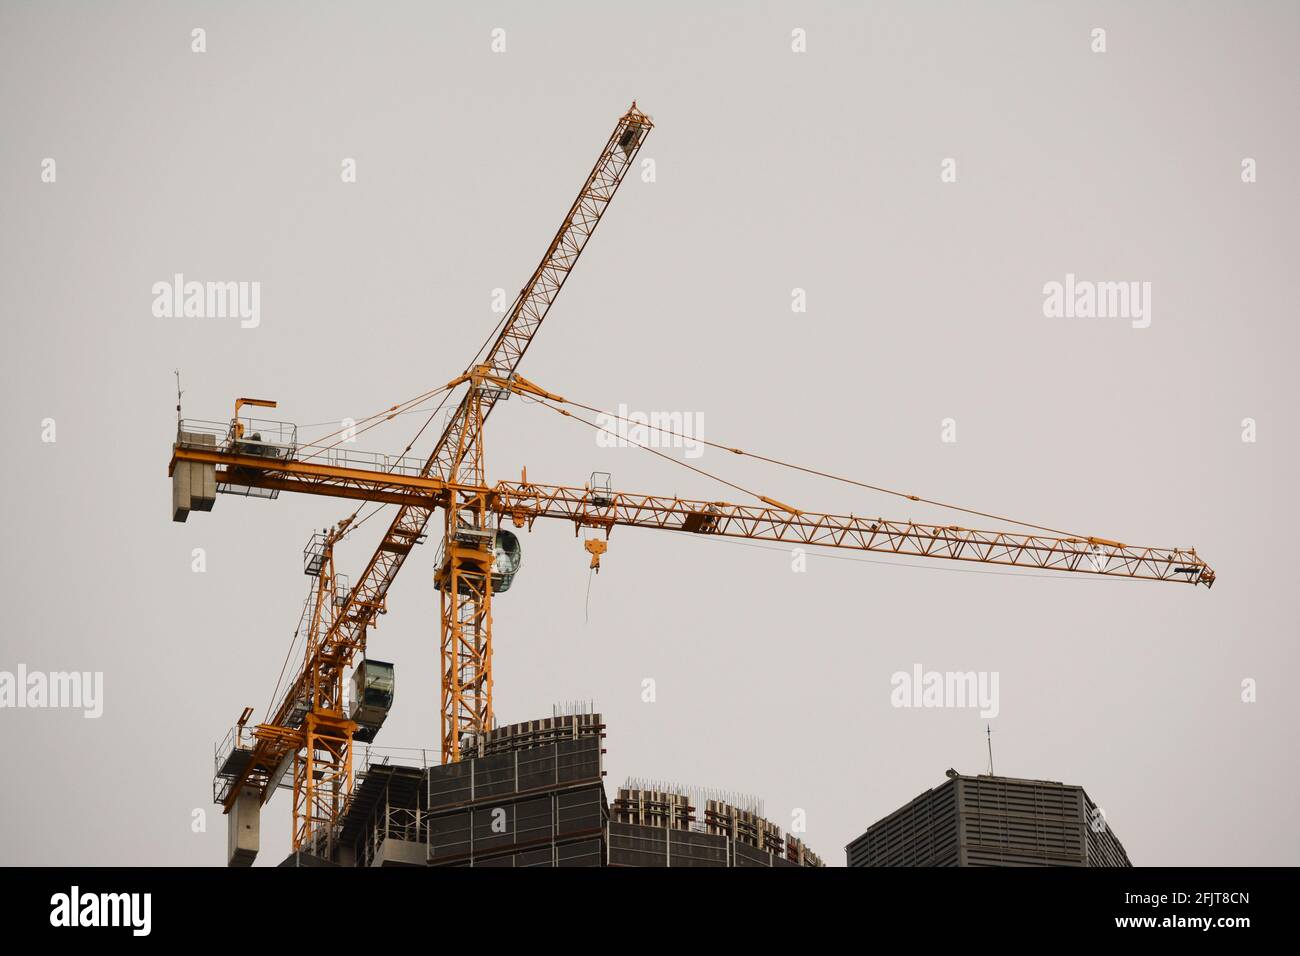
(322, 755)
(463, 577)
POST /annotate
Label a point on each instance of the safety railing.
(260, 437)
(226, 762)
(263, 438)
(279, 440)
(340, 457)
(194, 433)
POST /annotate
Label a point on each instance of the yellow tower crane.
(311, 734)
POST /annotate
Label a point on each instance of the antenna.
(988, 732)
(179, 393)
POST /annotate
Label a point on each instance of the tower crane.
(311, 734)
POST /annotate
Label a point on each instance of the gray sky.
(775, 170)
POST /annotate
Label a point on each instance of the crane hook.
(595, 547)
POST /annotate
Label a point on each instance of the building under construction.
(992, 821)
(533, 794)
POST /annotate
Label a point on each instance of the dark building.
(992, 821)
(533, 794)
(529, 794)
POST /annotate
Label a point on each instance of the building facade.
(533, 794)
(992, 821)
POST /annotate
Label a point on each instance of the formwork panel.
(493, 827)
(578, 811)
(449, 835)
(631, 844)
(689, 848)
(578, 760)
(493, 776)
(534, 820)
(749, 856)
(582, 853)
(536, 733)
(536, 768)
(544, 856)
(449, 785)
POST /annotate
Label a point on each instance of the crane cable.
(407, 407)
(410, 405)
(777, 461)
(399, 409)
(334, 421)
(385, 413)
(348, 525)
(287, 657)
(486, 343)
(653, 451)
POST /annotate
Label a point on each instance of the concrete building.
(992, 821)
(533, 794)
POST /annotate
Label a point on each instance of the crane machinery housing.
(306, 743)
